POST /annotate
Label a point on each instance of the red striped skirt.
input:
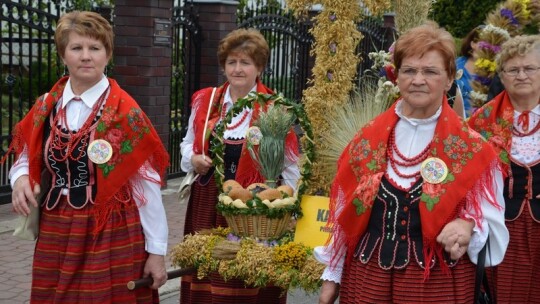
(515, 276)
(202, 214)
(71, 266)
(368, 283)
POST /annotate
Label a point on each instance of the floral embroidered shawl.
(247, 172)
(363, 163)
(494, 121)
(122, 123)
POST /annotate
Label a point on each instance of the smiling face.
(241, 71)
(523, 88)
(423, 81)
(86, 59)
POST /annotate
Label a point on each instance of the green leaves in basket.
(268, 151)
(256, 207)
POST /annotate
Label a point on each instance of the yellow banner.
(311, 229)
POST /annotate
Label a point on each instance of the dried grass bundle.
(345, 123)
(226, 250)
(411, 13)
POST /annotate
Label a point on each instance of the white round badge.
(434, 170)
(100, 151)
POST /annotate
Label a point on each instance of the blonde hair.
(517, 46)
(88, 24)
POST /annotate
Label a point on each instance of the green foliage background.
(461, 16)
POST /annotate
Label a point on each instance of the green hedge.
(461, 16)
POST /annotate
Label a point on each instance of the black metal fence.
(289, 39)
(186, 61)
(30, 65)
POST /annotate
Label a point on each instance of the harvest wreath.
(282, 263)
(263, 210)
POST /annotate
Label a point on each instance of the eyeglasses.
(528, 70)
(428, 73)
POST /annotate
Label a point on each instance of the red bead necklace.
(74, 138)
(405, 161)
(237, 124)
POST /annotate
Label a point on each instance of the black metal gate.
(186, 61)
(288, 68)
(30, 65)
(377, 37)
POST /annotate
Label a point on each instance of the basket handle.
(206, 121)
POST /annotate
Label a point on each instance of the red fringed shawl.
(363, 163)
(122, 123)
(494, 121)
(247, 171)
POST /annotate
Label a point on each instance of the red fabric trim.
(363, 163)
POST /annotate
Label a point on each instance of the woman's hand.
(155, 268)
(455, 237)
(329, 292)
(22, 195)
(201, 163)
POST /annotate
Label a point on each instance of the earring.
(66, 72)
(106, 70)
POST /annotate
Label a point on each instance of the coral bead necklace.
(404, 161)
(238, 123)
(65, 143)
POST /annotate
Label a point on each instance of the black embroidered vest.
(522, 185)
(394, 232)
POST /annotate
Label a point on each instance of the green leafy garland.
(308, 146)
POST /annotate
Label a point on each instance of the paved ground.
(16, 256)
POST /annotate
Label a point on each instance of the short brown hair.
(247, 41)
(424, 38)
(88, 24)
(517, 46)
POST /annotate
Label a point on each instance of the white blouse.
(152, 213)
(526, 150)
(290, 173)
(412, 136)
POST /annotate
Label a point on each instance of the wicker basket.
(258, 226)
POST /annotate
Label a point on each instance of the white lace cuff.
(331, 273)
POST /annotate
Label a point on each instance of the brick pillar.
(142, 57)
(217, 19)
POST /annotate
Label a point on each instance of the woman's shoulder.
(460, 62)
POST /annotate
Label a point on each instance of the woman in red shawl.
(102, 221)
(242, 54)
(511, 123)
(416, 193)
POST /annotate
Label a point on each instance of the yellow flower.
(524, 7)
(486, 64)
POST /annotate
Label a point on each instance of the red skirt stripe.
(368, 283)
(71, 266)
(201, 212)
(516, 275)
